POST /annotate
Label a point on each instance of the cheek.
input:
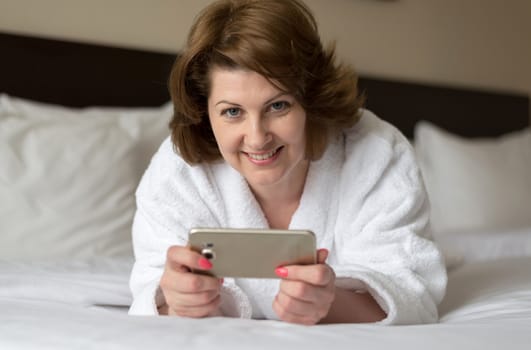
(226, 139)
(295, 133)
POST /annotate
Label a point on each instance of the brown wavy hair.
(276, 38)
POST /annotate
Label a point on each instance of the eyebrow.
(266, 102)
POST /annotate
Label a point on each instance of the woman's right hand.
(188, 294)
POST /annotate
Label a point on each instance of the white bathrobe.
(364, 200)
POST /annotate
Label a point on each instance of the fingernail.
(221, 280)
(281, 272)
(323, 250)
(205, 264)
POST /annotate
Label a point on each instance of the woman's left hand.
(306, 291)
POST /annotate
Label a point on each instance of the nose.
(257, 135)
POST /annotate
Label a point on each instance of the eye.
(279, 106)
(232, 112)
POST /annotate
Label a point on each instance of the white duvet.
(83, 305)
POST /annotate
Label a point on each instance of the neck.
(280, 201)
(283, 192)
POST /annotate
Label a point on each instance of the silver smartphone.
(252, 253)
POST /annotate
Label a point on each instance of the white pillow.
(486, 245)
(475, 184)
(68, 176)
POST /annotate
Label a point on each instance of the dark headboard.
(81, 74)
(467, 112)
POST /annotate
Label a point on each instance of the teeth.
(263, 156)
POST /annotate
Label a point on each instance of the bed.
(78, 125)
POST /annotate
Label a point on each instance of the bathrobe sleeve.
(172, 198)
(382, 239)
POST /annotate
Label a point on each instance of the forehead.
(226, 82)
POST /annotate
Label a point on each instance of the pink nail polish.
(205, 264)
(281, 272)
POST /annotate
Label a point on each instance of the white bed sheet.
(84, 306)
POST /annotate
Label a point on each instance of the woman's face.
(260, 130)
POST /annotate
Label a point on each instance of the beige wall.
(481, 43)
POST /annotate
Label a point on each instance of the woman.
(268, 132)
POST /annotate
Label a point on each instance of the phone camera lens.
(208, 253)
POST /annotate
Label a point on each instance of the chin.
(262, 179)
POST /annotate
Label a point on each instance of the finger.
(178, 256)
(193, 283)
(288, 315)
(194, 299)
(318, 274)
(307, 292)
(197, 311)
(322, 254)
(293, 304)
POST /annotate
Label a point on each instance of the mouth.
(265, 156)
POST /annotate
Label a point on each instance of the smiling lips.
(264, 158)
